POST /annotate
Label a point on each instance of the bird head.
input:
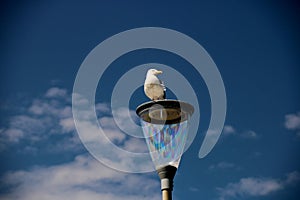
(154, 72)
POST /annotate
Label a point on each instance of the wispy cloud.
(136, 145)
(249, 134)
(12, 134)
(56, 92)
(102, 108)
(292, 122)
(50, 114)
(229, 130)
(111, 144)
(25, 127)
(48, 120)
(292, 177)
(83, 178)
(58, 108)
(44, 117)
(253, 186)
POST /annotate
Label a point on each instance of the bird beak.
(158, 72)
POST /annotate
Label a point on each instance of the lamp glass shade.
(165, 142)
(165, 127)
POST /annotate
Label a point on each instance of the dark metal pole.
(166, 175)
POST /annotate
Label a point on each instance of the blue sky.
(255, 46)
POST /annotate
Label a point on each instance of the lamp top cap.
(165, 111)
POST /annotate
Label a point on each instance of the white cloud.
(79, 99)
(67, 125)
(227, 130)
(84, 178)
(29, 128)
(292, 177)
(111, 130)
(56, 92)
(65, 112)
(38, 108)
(125, 120)
(12, 134)
(43, 118)
(250, 187)
(50, 107)
(253, 186)
(249, 134)
(109, 145)
(102, 108)
(51, 119)
(65, 144)
(136, 145)
(107, 123)
(292, 122)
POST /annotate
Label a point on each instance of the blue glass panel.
(165, 142)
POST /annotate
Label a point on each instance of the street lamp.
(165, 127)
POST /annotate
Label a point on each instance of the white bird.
(153, 87)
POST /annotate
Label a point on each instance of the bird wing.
(163, 85)
(164, 88)
(154, 91)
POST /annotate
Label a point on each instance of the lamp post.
(165, 127)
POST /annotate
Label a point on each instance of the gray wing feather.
(163, 85)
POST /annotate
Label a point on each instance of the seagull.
(153, 87)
